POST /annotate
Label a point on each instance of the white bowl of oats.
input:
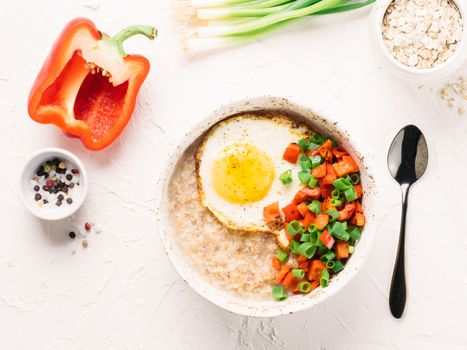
(230, 267)
(420, 40)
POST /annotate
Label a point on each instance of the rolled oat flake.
(422, 33)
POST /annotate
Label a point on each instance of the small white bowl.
(27, 194)
(268, 307)
(434, 74)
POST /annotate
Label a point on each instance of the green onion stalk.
(213, 24)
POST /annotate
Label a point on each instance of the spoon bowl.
(407, 162)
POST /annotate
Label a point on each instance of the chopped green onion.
(312, 228)
(306, 249)
(328, 256)
(335, 202)
(334, 143)
(286, 177)
(335, 193)
(339, 230)
(355, 233)
(355, 178)
(317, 138)
(294, 227)
(293, 246)
(338, 266)
(304, 286)
(351, 249)
(304, 176)
(314, 237)
(313, 146)
(278, 293)
(342, 184)
(305, 237)
(313, 182)
(324, 280)
(303, 144)
(315, 207)
(315, 161)
(305, 162)
(281, 256)
(299, 273)
(350, 194)
(330, 264)
(334, 214)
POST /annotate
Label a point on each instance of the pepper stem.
(118, 39)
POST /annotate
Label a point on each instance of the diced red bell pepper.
(315, 270)
(319, 171)
(326, 205)
(303, 209)
(326, 239)
(313, 285)
(342, 250)
(306, 195)
(358, 219)
(291, 212)
(271, 214)
(285, 269)
(288, 280)
(308, 219)
(339, 152)
(325, 190)
(291, 153)
(325, 150)
(358, 190)
(331, 175)
(346, 213)
(303, 265)
(276, 264)
(321, 221)
(346, 166)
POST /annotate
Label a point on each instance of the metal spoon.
(407, 161)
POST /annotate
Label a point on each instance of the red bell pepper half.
(88, 83)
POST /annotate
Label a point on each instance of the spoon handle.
(398, 293)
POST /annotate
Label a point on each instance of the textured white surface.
(122, 292)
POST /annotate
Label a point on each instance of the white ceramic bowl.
(434, 74)
(269, 307)
(27, 194)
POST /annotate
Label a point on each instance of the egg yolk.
(244, 174)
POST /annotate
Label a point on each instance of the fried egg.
(238, 167)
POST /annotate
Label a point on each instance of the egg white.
(270, 134)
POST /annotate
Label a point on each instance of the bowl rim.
(275, 308)
(59, 152)
(380, 11)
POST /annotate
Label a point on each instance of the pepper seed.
(37, 188)
(72, 235)
(37, 197)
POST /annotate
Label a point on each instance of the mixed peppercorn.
(54, 182)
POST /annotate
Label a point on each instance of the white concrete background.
(122, 292)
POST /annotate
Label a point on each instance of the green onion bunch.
(214, 24)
